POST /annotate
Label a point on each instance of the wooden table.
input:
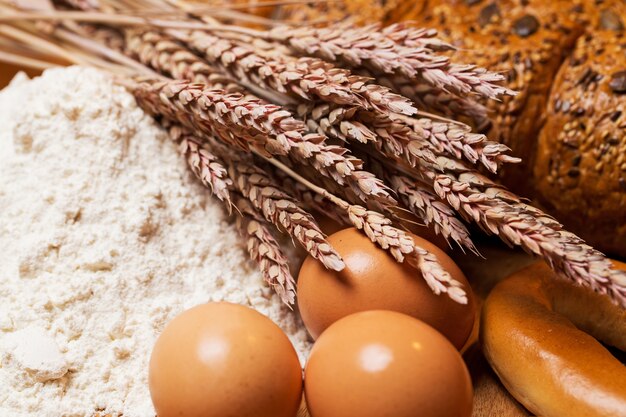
(491, 399)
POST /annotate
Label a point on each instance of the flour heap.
(105, 236)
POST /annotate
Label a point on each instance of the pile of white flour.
(104, 237)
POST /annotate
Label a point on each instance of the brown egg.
(373, 280)
(221, 359)
(386, 364)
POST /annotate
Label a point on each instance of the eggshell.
(374, 280)
(221, 359)
(386, 364)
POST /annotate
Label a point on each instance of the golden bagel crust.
(532, 335)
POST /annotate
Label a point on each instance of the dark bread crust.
(526, 40)
(605, 14)
(580, 170)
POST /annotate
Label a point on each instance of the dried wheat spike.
(205, 166)
(375, 51)
(80, 4)
(435, 213)
(334, 121)
(500, 212)
(231, 117)
(456, 140)
(407, 35)
(401, 246)
(277, 207)
(169, 57)
(396, 140)
(337, 163)
(263, 125)
(423, 139)
(306, 78)
(283, 211)
(261, 245)
(110, 37)
(265, 251)
(429, 98)
(310, 199)
(418, 198)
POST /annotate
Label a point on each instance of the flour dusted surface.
(104, 237)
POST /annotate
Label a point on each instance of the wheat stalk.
(398, 243)
(457, 140)
(380, 52)
(427, 206)
(260, 243)
(265, 251)
(205, 166)
(307, 78)
(170, 58)
(277, 207)
(502, 213)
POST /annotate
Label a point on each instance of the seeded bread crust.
(356, 11)
(580, 170)
(526, 41)
(605, 14)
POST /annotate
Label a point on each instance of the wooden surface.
(8, 71)
(491, 399)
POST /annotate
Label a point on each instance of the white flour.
(104, 237)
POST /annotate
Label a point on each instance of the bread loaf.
(605, 14)
(580, 169)
(357, 11)
(524, 39)
(528, 41)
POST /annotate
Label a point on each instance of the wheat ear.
(335, 121)
(205, 166)
(433, 99)
(261, 244)
(398, 243)
(502, 213)
(277, 207)
(264, 126)
(379, 52)
(457, 141)
(435, 213)
(169, 57)
(265, 251)
(231, 117)
(303, 79)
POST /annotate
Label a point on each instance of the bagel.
(539, 335)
